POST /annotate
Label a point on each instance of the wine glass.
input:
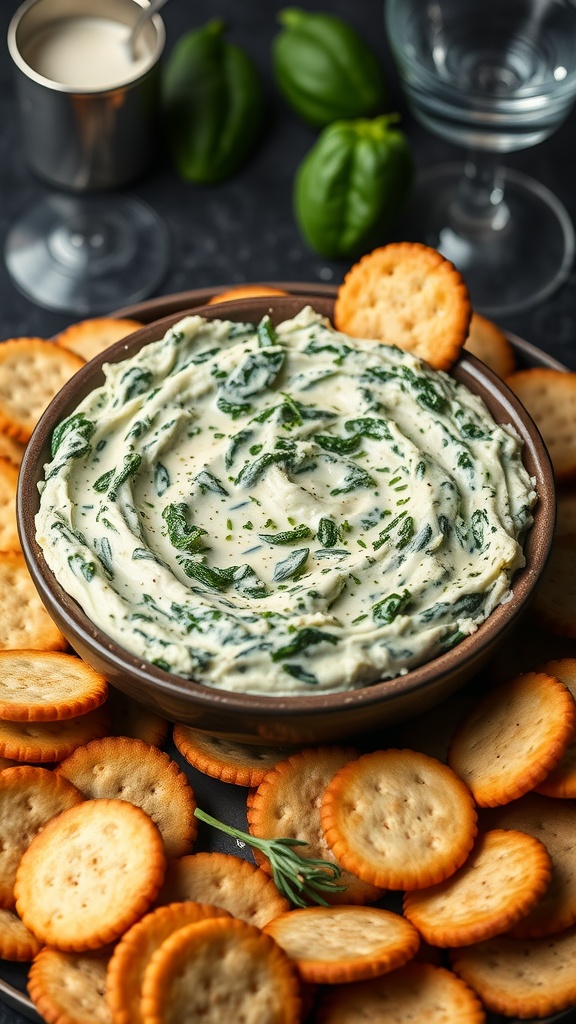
(494, 76)
(88, 106)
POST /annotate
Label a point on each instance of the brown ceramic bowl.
(298, 719)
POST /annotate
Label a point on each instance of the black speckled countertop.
(243, 229)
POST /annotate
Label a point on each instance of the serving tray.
(224, 801)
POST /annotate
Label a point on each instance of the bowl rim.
(171, 686)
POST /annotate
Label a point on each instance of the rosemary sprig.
(301, 880)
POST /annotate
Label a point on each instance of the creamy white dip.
(283, 510)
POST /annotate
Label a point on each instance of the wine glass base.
(509, 264)
(87, 255)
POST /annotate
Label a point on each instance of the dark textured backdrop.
(243, 229)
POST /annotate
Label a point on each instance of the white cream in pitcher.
(86, 52)
(283, 510)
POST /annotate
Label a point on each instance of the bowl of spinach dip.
(246, 518)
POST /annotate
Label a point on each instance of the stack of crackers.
(457, 892)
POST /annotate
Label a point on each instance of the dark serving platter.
(224, 801)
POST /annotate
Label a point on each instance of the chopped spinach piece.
(210, 576)
(203, 357)
(368, 426)
(339, 445)
(474, 432)
(103, 550)
(328, 533)
(137, 382)
(236, 441)
(208, 482)
(254, 375)
(75, 424)
(144, 554)
(300, 673)
(478, 522)
(233, 409)
(356, 477)
(182, 534)
(131, 466)
(422, 538)
(80, 566)
(247, 583)
(289, 567)
(321, 344)
(385, 611)
(161, 479)
(303, 638)
(266, 333)
(103, 482)
(253, 471)
(287, 536)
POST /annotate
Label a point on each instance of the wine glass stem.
(479, 206)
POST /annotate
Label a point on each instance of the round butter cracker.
(32, 372)
(214, 970)
(245, 291)
(90, 874)
(11, 449)
(488, 342)
(514, 736)
(46, 686)
(24, 622)
(225, 881)
(521, 977)
(341, 944)
(505, 875)
(133, 953)
(239, 763)
(555, 599)
(89, 338)
(406, 294)
(16, 941)
(29, 798)
(416, 992)
(68, 988)
(561, 781)
(550, 397)
(9, 539)
(46, 742)
(122, 768)
(553, 822)
(399, 819)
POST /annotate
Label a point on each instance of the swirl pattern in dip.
(283, 510)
